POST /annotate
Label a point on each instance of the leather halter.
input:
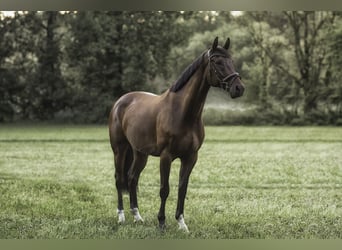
(227, 81)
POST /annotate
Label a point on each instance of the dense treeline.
(71, 66)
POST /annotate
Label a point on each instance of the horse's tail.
(121, 171)
(126, 167)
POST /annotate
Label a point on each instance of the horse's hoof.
(162, 226)
(136, 215)
(138, 220)
(121, 215)
(182, 225)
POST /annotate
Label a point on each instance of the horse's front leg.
(187, 164)
(165, 164)
(139, 162)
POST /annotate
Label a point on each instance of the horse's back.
(133, 102)
(127, 100)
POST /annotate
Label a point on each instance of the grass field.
(249, 182)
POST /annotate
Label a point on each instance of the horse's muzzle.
(237, 89)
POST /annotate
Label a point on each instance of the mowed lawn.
(249, 182)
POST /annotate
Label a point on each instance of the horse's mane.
(187, 73)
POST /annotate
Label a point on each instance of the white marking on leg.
(136, 214)
(182, 225)
(121, 216)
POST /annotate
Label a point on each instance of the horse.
(169, 126)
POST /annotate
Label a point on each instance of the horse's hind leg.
(139, 162)
(122, 160)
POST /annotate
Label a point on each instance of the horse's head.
(222, 72)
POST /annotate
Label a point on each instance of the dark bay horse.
(169, 126)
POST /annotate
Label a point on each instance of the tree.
(332, 94)
(308, 37)
(110, 53)
(265, 40)
(18, 64)
(51, 90)
(8, 86)
(292, 48)
(33, 63)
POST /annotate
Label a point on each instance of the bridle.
(227, 81)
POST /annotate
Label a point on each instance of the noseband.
(227, 81)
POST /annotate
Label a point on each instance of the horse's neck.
(194, 95)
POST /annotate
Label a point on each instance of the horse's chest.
(185, 143)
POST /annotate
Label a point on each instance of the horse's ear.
(227, 44)
(215, 43)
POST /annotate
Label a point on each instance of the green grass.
(249, 182)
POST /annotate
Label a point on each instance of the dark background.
(71, 66)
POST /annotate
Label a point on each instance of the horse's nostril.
(239, 90)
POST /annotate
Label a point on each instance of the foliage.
(72, 66)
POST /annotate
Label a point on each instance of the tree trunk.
(310, 98)
(309, 52)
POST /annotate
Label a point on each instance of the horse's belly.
(140, 132)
